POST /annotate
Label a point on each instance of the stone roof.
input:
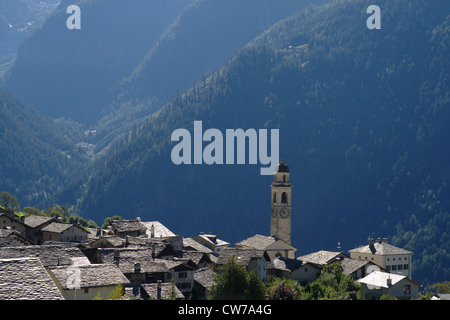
(59, 227)
(350, 265)
(287, 264)
(194, 256)
(127, 225)
(26, 279)
(111, 240)
(49, 255)
(128, 257)
(34, 221)
(322, 257)
(258, 242)
(189, 243)
(380, 248)
(160, 231)
(243, 256)
(9, 238)
(204, 277)
(212, 240)
(166, 288)
(93, 275)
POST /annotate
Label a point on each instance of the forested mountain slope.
(205, 35)
(72, 73)
(39, 157)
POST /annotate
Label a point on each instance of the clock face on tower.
(284, 212)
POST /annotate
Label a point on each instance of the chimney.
(370, 242)
(137, 268)
(127, 241)
(152, 231)
(153, 251)
(389, 281)
(158, 290)
(385, 240)
(22, 218)
(116, 257)
(379, 240)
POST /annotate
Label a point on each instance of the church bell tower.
(280, 221)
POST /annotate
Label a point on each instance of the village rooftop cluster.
(42, 258)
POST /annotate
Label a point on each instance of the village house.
(189, 244)
(378, 283)
(182, 272)
(26, 279)
(212, 242)
(356, 268)
(155, 229)
(203, 282)
(87, 282)
(35, 225)
(150, 264)
(273, 247)
(160, 291)
(295, 269)
(200, 259)
(253, 260)
(123, 228)
(64, 232)
(9, 221)
(391, 258)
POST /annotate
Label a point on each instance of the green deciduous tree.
(9, 202)
(233, 282)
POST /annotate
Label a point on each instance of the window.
(182, 275)
(405, 267)
(86, 290)
(400, 267)
(388, 268)
(394, 267)
(185, 285)
(284, 198)
(407, 289)
(284, 178)
(274, 197)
